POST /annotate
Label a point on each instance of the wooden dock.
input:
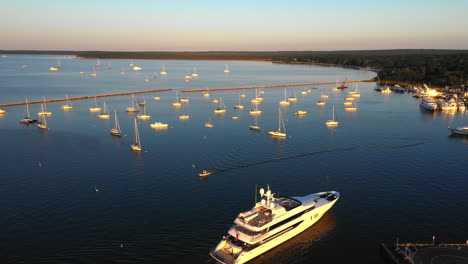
(85, 97)
(272, 86)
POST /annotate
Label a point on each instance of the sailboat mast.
(27, 108)
(44, 106)
(137, 136)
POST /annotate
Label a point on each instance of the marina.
(108, 197)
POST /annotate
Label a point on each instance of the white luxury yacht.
(428, 103)
(269, 223)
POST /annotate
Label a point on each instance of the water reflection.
(461, 138)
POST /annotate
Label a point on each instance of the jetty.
(85, 97)
(425, 253)
(272, 86)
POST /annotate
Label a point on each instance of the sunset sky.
(233, 25)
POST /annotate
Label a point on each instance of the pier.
(272, 86)
(85, 97)
(425, 253)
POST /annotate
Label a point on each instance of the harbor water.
(75, 194)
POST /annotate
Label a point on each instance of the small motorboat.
(205, 173)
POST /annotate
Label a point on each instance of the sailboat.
(184, 100)
(2, 111)
(222, 108)
(255, 127)
(209, 123)
(323, 95)
(332, 122)
(293, 98)
(227, 69)
(109, 66)
(44, 110)
(137, 145)
(206, 93)
(94, 72)
(352, 108)
(321, 103)
(105, 113)
(43, 123)
(284, 102)
(58, 63)
(95, 108)
(255, 111)
(239, 106)
(131, 64)
(356, 93)
(163, 72)
(136, 68)
(122, 72)
(68, 104)
(116, 131)
(98, 63)
(53, 69)
(281, 131)
(132, 109)
(27, 119)
(195, 74)
(257, 99)
(144, 115)
(142, 103)
(176, 103)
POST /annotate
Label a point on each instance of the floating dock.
(271, 86)
(85, 97)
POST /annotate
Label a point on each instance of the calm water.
(399, 172)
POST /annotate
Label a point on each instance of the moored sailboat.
(222, 108)
(43, 123)
(67, 105)
(332, 122)
(116, 131)
(209, 123)
(95, 108)
(144, 115)
(133, 108)
(281, 131)
(163, 72)
(137, 145)
(44, 111)
(27, 119)
(105, 112)
(176, 103)
(284, 102)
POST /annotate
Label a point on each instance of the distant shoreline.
(438, 67)
(88, 58)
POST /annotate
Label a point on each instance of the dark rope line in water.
(241, 166)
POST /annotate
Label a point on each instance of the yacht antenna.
(255, 193)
